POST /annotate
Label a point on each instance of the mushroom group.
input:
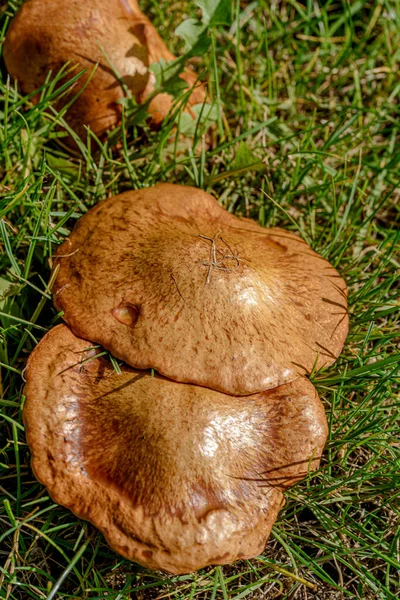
(181, 456)
(111, 44)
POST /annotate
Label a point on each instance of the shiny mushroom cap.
(165, 278)
(176, 476)
(46, 34)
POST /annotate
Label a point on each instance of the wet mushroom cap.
(165, 278)
(176, 476)
(47, 34)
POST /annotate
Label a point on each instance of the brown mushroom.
(176, 476)
(165, 278)
(46, 34)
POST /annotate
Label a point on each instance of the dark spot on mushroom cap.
(127, 315)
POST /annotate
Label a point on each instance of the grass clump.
(307, 138)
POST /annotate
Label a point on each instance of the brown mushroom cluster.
(182, 457)
(113, 40)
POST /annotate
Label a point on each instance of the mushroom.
(176, 476)
(165, 278)
(113, 35)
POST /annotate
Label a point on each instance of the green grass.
(312, 87)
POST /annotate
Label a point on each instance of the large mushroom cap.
(46, 34)
(176, 476)
(165, 278)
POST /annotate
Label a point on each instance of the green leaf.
(167, 73)
(62, 164)
(164, 71)
(8, 289)
(246, 159)
(222, 14)
(190, 31)
(200, 47)
(5, 287)
(167, 76)
(215, 12)
(200, 116)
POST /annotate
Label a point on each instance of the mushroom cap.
(46, 34)
(176, 476)
(165, 278)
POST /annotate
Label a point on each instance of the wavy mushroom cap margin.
(165, 278)
(176, 476)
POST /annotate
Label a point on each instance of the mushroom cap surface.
(165, 278)
(176, 476)
(47, 34)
